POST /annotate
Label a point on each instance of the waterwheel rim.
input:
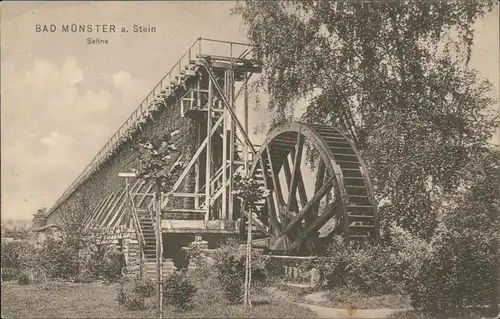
(307, 206)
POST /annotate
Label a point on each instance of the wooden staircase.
(149, 270)
(148, 231)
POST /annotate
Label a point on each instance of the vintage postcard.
(332, 159)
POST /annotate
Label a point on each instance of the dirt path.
(325, 312)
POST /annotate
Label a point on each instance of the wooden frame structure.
(208, 88)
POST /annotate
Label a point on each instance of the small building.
(40, 234)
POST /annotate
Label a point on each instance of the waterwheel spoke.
(300, 185)
(310, 205)
(288, 177)
(271, 209)
(316, 224)
(320, 177)
(297, 157)
(274, 178)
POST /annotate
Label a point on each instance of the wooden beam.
(229, 107)
(145, 195)
(191, 162)
(288, 178)
(101, 203)
(225, 140)
(320, 177)
(92, 211)
(272, 211)
(258, 224)
(103, 209)
(208, 166)
(297, 158)
(274, 178)
(312, 203)
(317, 224)
(109, 213)
(230, 91)
(119, 211)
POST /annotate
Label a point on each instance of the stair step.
(360, 217)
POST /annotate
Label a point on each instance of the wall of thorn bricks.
(106, 180)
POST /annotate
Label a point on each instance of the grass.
(94, 300)
(470, 314)
(344, 297)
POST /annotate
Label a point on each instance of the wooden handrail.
(136, 218)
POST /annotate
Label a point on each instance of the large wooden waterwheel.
(319, 188)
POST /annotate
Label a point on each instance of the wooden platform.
(198, 226)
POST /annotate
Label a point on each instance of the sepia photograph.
(250, 159)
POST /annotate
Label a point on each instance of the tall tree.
(394, 76)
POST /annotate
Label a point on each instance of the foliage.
(156, 161)
(230, 261)
(395, 77)
(60, 258)
(144, 287)
(16, 234)
(131, 295)
(374, 269)
(11, 259)
(30, 262)
(23, 278)
(248, 190)
(178, 291)
(460, 268)
(97, 260)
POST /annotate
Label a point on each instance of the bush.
(178, 291)
(110, 267)
(12, 262)
(367, 268)
(23, 278)
(455, 273)
(129, 297)
(60, 258)
(230, 263)
(144, 287)
(99, 261)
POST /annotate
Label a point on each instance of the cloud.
(54, 120)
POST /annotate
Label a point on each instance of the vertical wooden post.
(230, 91)
(159, 287)
(141, 249)
(224, 154)
(248, 268)
(209, 151)
(197, 171)
(245, 122)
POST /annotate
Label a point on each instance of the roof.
(45, 227)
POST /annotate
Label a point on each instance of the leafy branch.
(156, 162)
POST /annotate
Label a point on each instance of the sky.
(62, 99)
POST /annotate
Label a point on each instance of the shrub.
(364, 267)
(455, 273)
(128, 296)
(121, 295)
(230, 263)
(12, 263)
(178, 291)
(23, 278)
(60, 258)
(134, 302)
(144, 287)
(110, 267)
